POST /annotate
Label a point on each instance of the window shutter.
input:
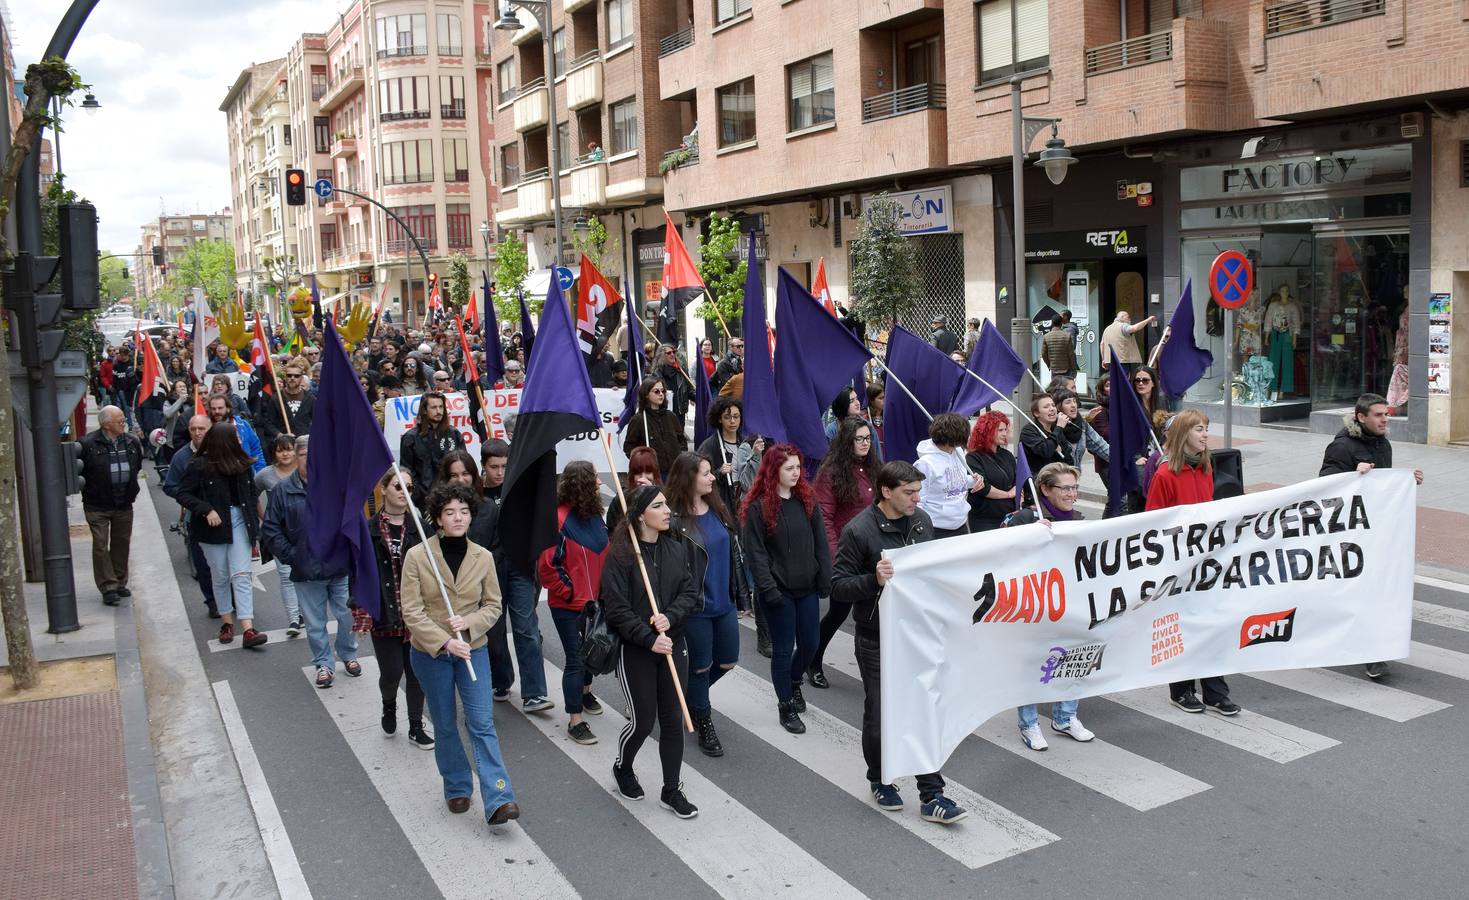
(726, 10)
(1032, 30)
(995, 51)
(800, 81)
(821, 74)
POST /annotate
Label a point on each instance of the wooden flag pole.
(723, 325)
(433, 563)
(275, 388)
(606, 443)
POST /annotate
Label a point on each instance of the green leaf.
(884, 279)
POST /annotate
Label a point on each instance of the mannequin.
(1247, 329)
(1282, 324)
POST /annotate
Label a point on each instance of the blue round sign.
(323, 188)
(565, 278)
(1231, 279)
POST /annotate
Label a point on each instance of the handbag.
(600, 645)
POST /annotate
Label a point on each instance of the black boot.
(708, 739)
(817, 678)
(390, 718)
(798, 703)
(789, 720)
(762, 634)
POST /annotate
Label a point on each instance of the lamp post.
(484, 237)
(1056, 160)
(541, 10)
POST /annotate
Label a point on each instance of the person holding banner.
(424, 447)
(791, 562)
(948, 482)
(1186, 476)
(447, 641)
(646, 638)
(844, 488)
(990, 456)
(859, 575)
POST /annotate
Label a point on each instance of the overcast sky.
(160, 69)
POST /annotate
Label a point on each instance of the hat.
(940, 319)
(620, 366)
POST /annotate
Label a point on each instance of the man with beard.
(220, 411)
(426, 444)
(300, 407)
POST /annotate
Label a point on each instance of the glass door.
(1359, 333)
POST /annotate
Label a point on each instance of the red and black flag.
(594, 296)
(681, 283)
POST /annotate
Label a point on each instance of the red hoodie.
(580, 566)
(1190, 484)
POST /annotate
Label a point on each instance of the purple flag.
(635, 362)
(527, 329)
(1022, 475)
(348, 456)
(1128, 435)
(932, 377)
(1181, 362)
(762, 409)
(994, 360)
(702, 399)
(494, 356)
(815, 356)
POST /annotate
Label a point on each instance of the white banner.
(1314, 574)
(400, 413)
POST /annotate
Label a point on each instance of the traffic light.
(71, 467)
(295, 187)
(158, 255)
(80, 270)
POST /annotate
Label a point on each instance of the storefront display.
(1092, 274)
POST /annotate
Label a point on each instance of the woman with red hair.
(989, 456)
(791, 563)
(642, 469)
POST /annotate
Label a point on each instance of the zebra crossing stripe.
(1444, 616)
(1457, 586)
(768, 860)
(1354, 693)
(410, 786)
(278, 636)
(1440, 660)
(1248, 731)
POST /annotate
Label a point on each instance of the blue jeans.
(1062, 712)
(229, 566)
(714, 648)
(440, 676)
(795, 631)
(320, 599)
(519, 594)
(574, 676)
(288, 590)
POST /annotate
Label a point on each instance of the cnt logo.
(1267, 628)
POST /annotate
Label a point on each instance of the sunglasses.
(1142, 381)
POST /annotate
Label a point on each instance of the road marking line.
(1248, 731)
(1456, 586)
(277, 636)
(1443, 616)
(1354, 693)
(768, 861)
(448, 845)
(1440, 660)
(290, 881)
(1106, 768)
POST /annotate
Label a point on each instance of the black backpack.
(600, 645)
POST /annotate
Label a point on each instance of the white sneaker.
(1073, 729)
(1031, 735)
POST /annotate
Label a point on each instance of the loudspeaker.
(1229, 473)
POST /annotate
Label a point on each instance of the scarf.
(1056, 514)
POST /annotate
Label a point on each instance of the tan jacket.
(475, 593)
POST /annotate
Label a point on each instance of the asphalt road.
(1318, 791)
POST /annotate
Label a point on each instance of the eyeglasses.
(1066, 488)
(862, 439)
(441, 378)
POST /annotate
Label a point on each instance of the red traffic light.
(295, 187)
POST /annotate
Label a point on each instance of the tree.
(884, 279)
(459, 282)
(113, 275)
(207, 264)
(723, 269)
(512, 265)
(595, 245)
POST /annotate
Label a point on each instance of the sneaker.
(226, 633)
(1188, 702)
(1074, 730)
(1225, 707)
(296, 626)
(420, 738)
(581, 732)
(589, 705)
(627, 784)
(1376, 670)
(818, 679)
(324, 677)
(502, 696)
(253, 638)
(675, 800)
(1031, 735)
(943, 811)
(887, 797)
(353, 668)
(797, 701)
(536, 704)
(390, 719)
(789, 720)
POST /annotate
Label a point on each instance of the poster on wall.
(1440, 312)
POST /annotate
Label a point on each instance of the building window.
(286, 135)
(420, 220)
(408, 162)
(403, 98)
(564, 150)
(737, 112)
(405, 35)
(1014, 37)
(457, 223)
(505, 78)
(319, 84)
(812, 92)
(619, 23)
(450, 43)
(558, 53)
(321, 130)
(456, 159)
(451, 96)
(624, 117)
(328, 239)
(724, 10)
(510, 164)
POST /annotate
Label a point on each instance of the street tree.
(512, 265)
(459, 282)
(207, 264)
(723, 269)
(884, 280)
(113, 272)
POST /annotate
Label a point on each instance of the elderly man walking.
(111, 459)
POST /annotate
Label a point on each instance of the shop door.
(1360, 311)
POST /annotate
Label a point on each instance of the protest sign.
(1314, 574)
(400, 414)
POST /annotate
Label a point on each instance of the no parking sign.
(1230, 279)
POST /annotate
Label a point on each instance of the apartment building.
(1326, 139)
(175, 234)
(384, 102)
(246, 172)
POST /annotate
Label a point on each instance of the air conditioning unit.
(1411, 124)
(819, 216)
(851, 206)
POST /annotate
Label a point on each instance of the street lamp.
(484, 238)
(90, 104)
(508, 21)
(1056, 160)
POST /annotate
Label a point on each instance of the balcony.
(533, 203)
(678, 158)
(348, 256)
(453, 110)
(402, 50)
(894, 13)
(347, 83)
(1285, 16)
(572, 6)
(588, 185)
(405, 115)
(531, 109)
(394, 246)
(530, 29)
(344, 147)
(676, 41)
(584, 82)
(483, 59)
(903, 101)
(1138, 51)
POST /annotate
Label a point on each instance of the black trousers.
(392, 665)
(831, 623)
(1215, 689)
(869, 663)
(646, 681)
